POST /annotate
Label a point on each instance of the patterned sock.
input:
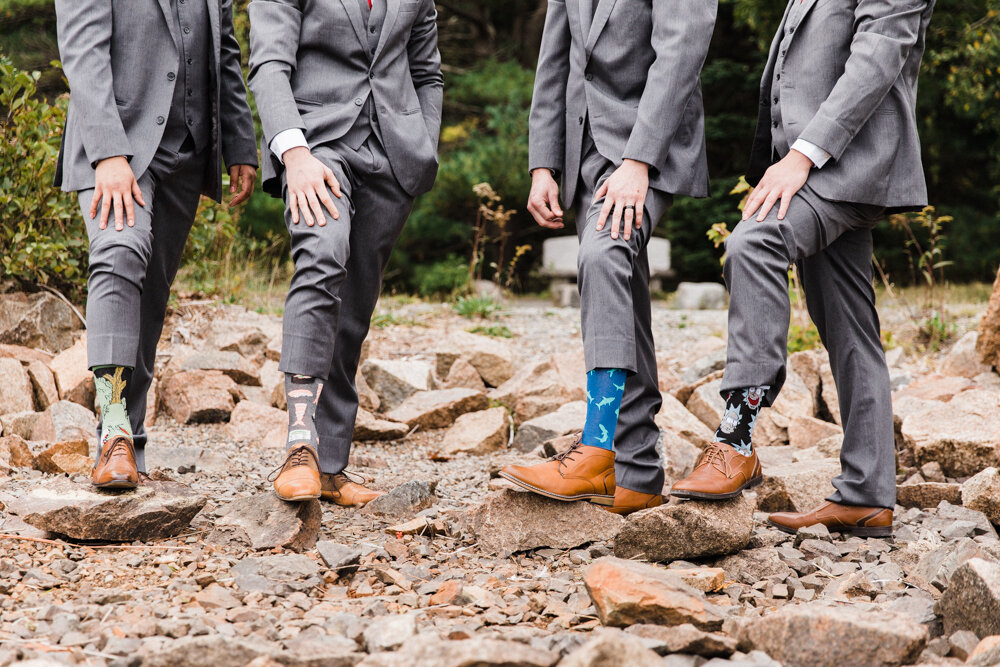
(742, 408)
(302, 393)
(605, 387)
(110, 382)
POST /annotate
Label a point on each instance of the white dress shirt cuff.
(287, 140)
(811, 151)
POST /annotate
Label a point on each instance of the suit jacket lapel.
(213, 16)
(168, 16)
(807, 7)
(391, 12)
(586, 8)
(357, 20)
(601, 15)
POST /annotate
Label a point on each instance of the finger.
(293, 207)
(316, 207)
(129, 209)
(754, 201)
(786, 200)
(616, 220)
(93, 203)
(553, 201)
(331, 178)
(639, 207)
(628, 221)
(137, 194)
(119, 212)
(605, 210)
(328, 203)
(539, 208)
(768, 204)
(246, 189)
(234, 177)
(304, 210)
(601, 191)
(105, 211)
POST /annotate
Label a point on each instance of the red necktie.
(369, 4)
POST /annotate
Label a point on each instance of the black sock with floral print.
(742, 408)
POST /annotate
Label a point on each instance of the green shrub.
(441, 278)
(482, 307)
(42, 235)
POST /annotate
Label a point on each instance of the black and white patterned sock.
(302, 393)
(742, 408)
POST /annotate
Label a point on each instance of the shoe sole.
(116, 484)
(701, 495)
(295, 499)
(853, 531)
(590, 497)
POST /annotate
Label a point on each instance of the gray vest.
(190, 109)
(367, 121)
(779, 143)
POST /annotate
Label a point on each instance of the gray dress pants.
(831, 244)
(336, 285)
(131, 272)
(613, 278)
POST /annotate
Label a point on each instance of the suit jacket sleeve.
(274, 42)
(239, 146)
(84, 33)
(886, 31)
(681, 35)
(425, 68)
(547, 122)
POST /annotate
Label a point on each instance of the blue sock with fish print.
(605, 388)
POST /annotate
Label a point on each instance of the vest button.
(358, 101)
(160, 120)
(589, 77)
(580, 120)
(774, 124)
(171, 76)
(373, 30)
(371, 75)
(775, 99)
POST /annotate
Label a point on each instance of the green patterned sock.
(110, 382)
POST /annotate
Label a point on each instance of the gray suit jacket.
(633, 69)
(118, 58)
(310, 69)
(849, 86)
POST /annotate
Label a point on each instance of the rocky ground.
(204, 566)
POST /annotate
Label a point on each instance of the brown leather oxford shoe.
(298, 477)
(720, 473)
(628, 501)
(849, 519)
(115, 469)
(581, 472)
(340, 489)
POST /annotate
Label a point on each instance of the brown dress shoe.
(298, 476)
(628, 501)
(850, 519)
(720, 473)
(342, 490)
(115, 469)
(581, 472)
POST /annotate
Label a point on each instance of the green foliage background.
(489, 48)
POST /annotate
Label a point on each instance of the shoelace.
(351, 476)
(568, 454)
(117, 447)
(299, 456)
(713, 455)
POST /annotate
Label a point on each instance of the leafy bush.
(441, 278)
(482, 307)
(42, 235)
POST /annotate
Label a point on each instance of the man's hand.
(115, 184)
(782, 180)
(242, 176)
(624, 195)
(543, 201)
(307, 178)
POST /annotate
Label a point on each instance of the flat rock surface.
(154, 510)
(512, 521)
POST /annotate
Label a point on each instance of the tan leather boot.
(115, 469)
(720, 473)
(850, 519)
(628, 501)
(298, 477)
(581, 472)
(342, 490)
